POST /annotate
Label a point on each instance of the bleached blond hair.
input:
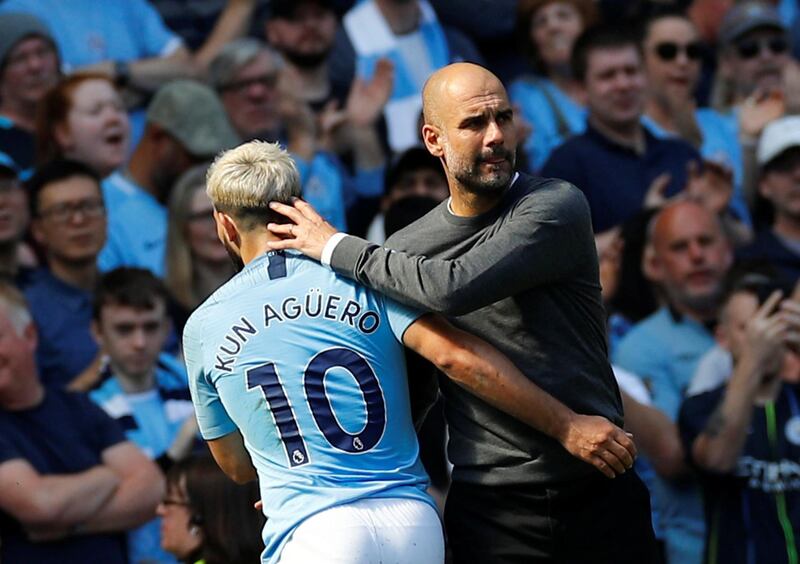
(244, 180)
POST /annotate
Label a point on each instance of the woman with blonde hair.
(197, 263)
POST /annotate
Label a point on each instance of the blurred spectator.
(754, 52)
(144, 390)
(303, 32)
(28, 68)
(206, 517)
(197, 262)
(16, 259)
(551, 100)
(408, 33)
(413, 173)
(617, 162)
(186, 124)
(126, 40)
(779, 184)
(83, 118)
(246, 74)
(688, 258)
(69, 224)
(69, 482)
(672, 55)
(743, 436)
(206, 25)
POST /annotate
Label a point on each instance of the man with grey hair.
(70, 484)
(264, 101)
(298, 379)
(28, 68)
(186, 125)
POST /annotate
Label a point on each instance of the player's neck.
(254, 244)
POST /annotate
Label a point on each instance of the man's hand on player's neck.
(308, 233)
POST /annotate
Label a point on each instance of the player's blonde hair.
(244, 180)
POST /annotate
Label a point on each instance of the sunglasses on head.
(669, 50)
(750, 48)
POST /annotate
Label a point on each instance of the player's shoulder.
(538, 192)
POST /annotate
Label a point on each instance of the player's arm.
(57, 501)
(537, 245)
(489, 374)
(141, 488)
(232, 456)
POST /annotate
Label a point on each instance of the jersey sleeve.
(8, 451)
(212, 418)
(400, 317)
(156, 39)
(694, 414)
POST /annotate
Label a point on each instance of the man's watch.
(122, 74)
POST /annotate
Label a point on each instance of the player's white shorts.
(368, 531)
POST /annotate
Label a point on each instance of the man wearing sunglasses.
(755, 49)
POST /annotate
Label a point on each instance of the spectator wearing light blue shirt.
(672, 56)
(689, 259)
(145, 391)
(186, 124)
(551, 99)
(124, 39)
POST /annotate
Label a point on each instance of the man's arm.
(233, 458)
(141, 487)
(54, 501)
(536, 246)
(483, 370)
(718, 446)
(657, 436)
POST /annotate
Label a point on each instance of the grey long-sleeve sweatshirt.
(524, 277)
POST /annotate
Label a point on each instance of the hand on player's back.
(309, 232)
(599, 442)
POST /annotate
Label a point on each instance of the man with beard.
(688, 257)
(617, 160)
(510, 258)
(186, 125)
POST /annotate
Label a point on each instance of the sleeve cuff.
(330, 246)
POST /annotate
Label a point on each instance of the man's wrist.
(330, 246)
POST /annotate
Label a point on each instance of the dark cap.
(193, 114)
(745, 17)
(410, 160)
(14, 27)
(285, 9)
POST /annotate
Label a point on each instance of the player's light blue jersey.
(310, 368)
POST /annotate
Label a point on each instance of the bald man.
(511, 258)
(689, 257)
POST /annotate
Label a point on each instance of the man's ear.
(431, 136)
(95, 329)
(651, 265)
(226, 226)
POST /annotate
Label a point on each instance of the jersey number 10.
(266, 377)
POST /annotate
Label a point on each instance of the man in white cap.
(778, 159)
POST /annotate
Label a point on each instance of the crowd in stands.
(678, 120)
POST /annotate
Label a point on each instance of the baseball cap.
(778, 136)
(745, 17)
(14, 27)
(193, 114)
(412, 159)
